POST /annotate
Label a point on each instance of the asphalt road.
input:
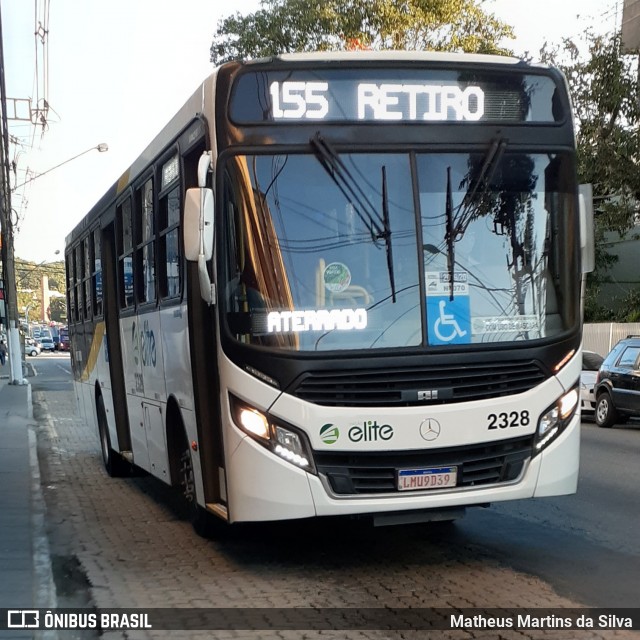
(585, 546)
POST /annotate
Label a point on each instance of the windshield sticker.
(438, 283)
(500, 324)
(337, 277)
(316, 320)
(448, 307)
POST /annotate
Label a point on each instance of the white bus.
(341, 284)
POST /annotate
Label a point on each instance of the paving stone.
(136, 549)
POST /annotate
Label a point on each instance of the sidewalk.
(24, 562)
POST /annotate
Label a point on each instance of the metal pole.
(6, 225)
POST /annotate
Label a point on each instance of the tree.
(29, 285)
(604, 90)
(58, 310)
(286, 26)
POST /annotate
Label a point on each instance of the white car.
(47, 344)
(32, 349)
(591, 362)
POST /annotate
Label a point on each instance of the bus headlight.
(554, 420)
(253, 422)
(284, 441)
(290, 446)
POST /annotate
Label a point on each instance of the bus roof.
(205, 91)
(317, 57)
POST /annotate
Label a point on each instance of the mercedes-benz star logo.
(430, 429)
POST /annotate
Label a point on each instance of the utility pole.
(6, 226)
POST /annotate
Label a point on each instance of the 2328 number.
(506, 420)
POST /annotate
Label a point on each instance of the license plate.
(432, 478)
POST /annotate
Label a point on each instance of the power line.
(599, 19)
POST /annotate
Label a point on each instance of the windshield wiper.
(456, 225)
(450, 234)
(378, 226)
(387, 233)
(348, 185)
(480, 185)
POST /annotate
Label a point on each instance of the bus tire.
(204, 524)
(115, 465)
(606, 414)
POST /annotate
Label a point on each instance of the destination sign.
(393, 95)
(310, 100)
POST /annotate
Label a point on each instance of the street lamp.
(26, 315)
(102, 147)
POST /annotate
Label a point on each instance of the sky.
(117, 71)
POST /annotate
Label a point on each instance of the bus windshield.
(328, 251)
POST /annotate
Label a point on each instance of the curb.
(45, 591)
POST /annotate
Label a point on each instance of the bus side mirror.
(587, 235)
(198, 224)
(198, 236)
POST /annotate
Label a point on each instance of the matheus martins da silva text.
(527, 621)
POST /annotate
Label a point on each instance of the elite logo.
(329, 434)
(369, 431)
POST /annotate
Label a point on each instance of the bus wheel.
(203, 523)
(115, 465)
(606, 414)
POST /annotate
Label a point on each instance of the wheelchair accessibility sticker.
(449, 321)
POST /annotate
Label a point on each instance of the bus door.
(203, 350)
(113, 347)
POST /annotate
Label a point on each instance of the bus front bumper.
(266, 487)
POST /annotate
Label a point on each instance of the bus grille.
(385, 387)
(372, 473)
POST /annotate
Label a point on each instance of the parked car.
(591, 362)
(618, 387)
(47, 344)
(32, 349)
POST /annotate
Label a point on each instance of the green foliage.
(604, 90)
(287, 26)
(58, 310)
(623, 309)
(29, 286)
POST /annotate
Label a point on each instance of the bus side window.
(78, 282)
(86, 276)
(71, 311)
(125, 254)
(169, 245)
(145, 273)
(96, 273)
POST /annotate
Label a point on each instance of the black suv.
(617, 389)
